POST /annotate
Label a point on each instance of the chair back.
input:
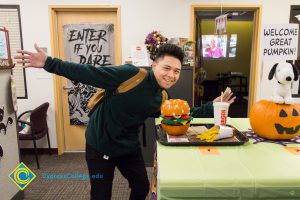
(38, 118)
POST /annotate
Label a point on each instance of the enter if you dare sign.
(280, 41)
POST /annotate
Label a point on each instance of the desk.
(250, 171)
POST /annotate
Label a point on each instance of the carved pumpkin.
(175, 114)
(175, 130)
(275, 121)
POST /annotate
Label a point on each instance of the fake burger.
(175, 114)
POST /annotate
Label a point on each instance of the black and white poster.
(86, 44)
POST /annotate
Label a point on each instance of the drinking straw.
(222, 94)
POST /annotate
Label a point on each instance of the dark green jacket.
(114, 125)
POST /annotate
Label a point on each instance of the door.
(245, 79)
(72, 137)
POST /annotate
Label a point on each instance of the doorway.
(72, 137)
(236, 64)
(295, 18)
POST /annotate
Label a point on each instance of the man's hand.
(226, 98)
(31, 59)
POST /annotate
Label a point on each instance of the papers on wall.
(220, 24)
(86, 43)
(280, 41)
(3, 46)
(139, 55)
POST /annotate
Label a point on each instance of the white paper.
(139, 55)
(3, 46)
(220, 24)
(225, 132)
(181, 138)
(280, 41)
(195, 130)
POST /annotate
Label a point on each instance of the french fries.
(210, 135)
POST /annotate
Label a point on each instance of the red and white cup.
(221, 113)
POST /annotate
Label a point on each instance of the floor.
(77, 189)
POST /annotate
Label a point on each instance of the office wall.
(138, 18)
(8, 137)
(241, 63)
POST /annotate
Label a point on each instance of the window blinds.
(9, 17)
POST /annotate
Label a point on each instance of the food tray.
(238, 138)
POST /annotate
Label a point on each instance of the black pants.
(131, 166)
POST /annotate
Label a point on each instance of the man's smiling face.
(166, 71)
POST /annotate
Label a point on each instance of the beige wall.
(241, 63)
(8, 141)
(138, 18)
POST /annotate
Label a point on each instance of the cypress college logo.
(22, 176)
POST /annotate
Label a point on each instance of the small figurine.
(284, 74)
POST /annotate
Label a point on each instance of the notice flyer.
(280, 41)
(139, 56)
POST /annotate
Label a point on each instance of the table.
(251, 171)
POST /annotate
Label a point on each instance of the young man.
(112, 132)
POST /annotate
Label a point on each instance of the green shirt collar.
(155, 84)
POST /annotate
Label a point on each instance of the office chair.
(38, 125)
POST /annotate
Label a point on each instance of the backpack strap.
(164, 95)
(96, 98)
(132, 82)
(123, 87)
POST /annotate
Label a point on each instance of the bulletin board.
(10, 17)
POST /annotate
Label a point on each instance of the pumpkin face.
(275, 121)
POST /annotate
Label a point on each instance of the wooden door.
(72, 137)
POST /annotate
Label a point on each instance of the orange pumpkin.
(175, 130)
(275, 121)
(175, 114)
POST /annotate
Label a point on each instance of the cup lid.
(221, 104)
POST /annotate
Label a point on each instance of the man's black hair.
(170, 50)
